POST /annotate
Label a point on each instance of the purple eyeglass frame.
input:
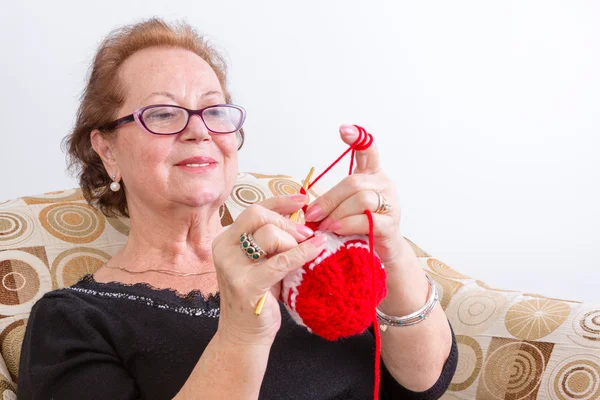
(137, 117)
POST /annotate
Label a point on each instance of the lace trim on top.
(193, 303)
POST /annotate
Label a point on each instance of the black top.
(114, 341)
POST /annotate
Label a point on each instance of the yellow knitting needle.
(294, 217)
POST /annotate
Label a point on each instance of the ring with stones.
(250, 248)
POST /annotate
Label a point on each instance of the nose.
(195, 130)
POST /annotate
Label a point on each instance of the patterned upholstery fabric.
(512, 345)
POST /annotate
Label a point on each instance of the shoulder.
(64, 319)
(70, 341)
(70, 308)
(63, 300)
(57, 302)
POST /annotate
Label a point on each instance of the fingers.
(359, 225)
(242, 283)
(284, 204)
(268, 212)
(284, 253)
(325, 204)
(278, 266)
(273, 240)
(367, 161)
(354, 205)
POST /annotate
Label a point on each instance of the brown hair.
(104, 95)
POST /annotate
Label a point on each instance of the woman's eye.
(216, 112)
(162, 115)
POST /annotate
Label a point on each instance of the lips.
(197, 161)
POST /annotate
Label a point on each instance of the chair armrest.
(515, 345)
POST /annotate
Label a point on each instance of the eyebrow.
(211, 93)
(172, 96)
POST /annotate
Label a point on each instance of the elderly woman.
(171, 315)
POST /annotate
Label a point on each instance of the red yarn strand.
(363, 142)
(374, 300)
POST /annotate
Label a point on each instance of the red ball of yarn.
(333, 294)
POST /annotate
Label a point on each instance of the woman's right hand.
(242, 282)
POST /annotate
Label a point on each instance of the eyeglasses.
(166, 119)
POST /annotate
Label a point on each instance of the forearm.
(227, 370)
(414, 355)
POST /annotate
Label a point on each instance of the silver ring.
(250, 248)
(383, 207)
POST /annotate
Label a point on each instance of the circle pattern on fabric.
(24, 278)
(470, 360)
(225, 215)
(446, 288)
(245, 195)
(513, 371)
(475, 311)
(19, 282)
(72, 222)
(444, 270)
(590, 324)
(576, 377)
(586, 326)
(11, 339)
(283, 187)
(15, 228)
(534, 319)
(72, 265)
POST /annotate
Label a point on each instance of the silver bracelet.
(414, 318)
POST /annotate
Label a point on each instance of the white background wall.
(487, 114)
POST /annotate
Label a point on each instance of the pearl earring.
(115, 186)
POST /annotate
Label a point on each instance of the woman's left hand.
(414, 357)
(341, 209)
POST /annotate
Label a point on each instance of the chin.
(204, 197)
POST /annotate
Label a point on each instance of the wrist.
(401, 258)
(406, 284)
(416, 315)
(234, 337)
(403, 299)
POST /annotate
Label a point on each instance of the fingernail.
(324, 224)
(318, 241)
(334, 226)
(304, 230)
(349, 129)
(313, 214)
(298, 197)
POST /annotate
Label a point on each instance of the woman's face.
(153, 167)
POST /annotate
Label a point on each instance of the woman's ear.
(104, 148)
(241, 137)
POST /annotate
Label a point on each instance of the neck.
(175, 239)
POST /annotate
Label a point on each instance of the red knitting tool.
(336, 294)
